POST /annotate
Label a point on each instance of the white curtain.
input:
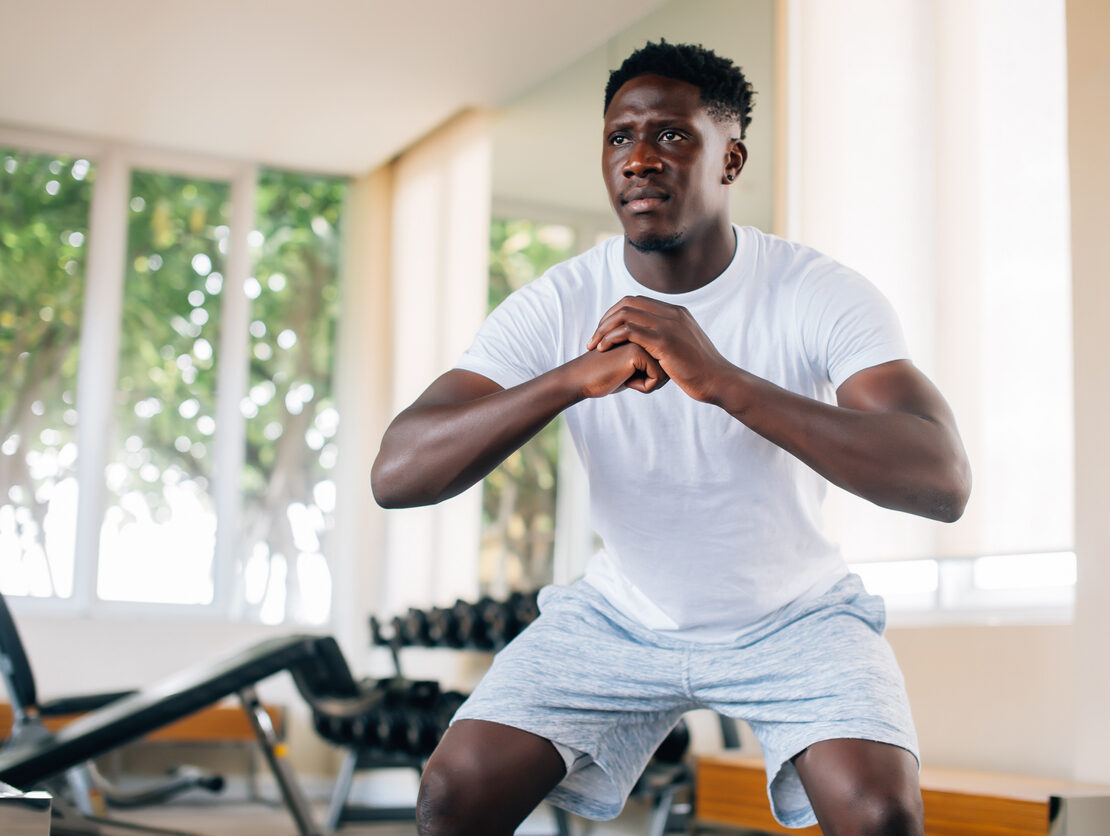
(439, 279)
(927, 149)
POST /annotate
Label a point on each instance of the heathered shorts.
(606, 690)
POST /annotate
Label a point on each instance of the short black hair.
(726, 93)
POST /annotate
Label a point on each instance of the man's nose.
(642, 160)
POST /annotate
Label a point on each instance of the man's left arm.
(891, 437)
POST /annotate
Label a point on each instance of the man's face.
(665, 162)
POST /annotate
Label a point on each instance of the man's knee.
(439, 807)
(484, 779)
(885, 814)
(455, 798)
(861, 788)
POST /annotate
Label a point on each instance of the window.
(44, 210)
(187, 426)
(519, 497)
(158, 537)
(292, 421)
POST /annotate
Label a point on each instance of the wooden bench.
(732, 791)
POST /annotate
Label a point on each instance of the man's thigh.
(825, 673)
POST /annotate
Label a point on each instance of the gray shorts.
(607, 691)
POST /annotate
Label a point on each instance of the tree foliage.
(44, 208)
(169, 363)
(518, 498)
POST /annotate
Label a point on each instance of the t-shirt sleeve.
(519, 340)
(846, 323)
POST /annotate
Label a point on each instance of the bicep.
(897, 386)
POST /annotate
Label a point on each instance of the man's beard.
(656, 243)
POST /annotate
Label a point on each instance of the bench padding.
(156, 705)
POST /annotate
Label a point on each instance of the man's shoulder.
(781, 254)
(587, 269)
(789, 265)
(594, 261)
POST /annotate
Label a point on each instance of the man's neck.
(694, 263)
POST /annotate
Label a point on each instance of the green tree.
(169, 340)
(44, 207)
(518, 498)
(290, 442)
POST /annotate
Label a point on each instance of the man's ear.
(735, 158)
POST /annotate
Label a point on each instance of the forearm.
(435, 450)
(901, 459)
(464, 425)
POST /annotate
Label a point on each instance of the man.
(713, 378)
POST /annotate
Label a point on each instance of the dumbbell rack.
(484, 626)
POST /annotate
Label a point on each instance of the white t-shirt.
(708, 528)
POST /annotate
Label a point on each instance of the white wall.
(991, 697)
(1089, 123)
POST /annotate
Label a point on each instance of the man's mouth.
(643, 199)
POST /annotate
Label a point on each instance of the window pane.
(518, 499)
(158, 536)
(1025, 571)
(44, 211)
(288, 491)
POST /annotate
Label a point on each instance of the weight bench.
(309, 658)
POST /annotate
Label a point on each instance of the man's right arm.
(464, 424)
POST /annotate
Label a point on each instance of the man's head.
(674, 118)
(725, 92)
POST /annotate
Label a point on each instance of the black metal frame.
(36, 757)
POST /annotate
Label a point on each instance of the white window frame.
(97, 373)
(953, 595)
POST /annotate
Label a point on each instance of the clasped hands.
(641, 343)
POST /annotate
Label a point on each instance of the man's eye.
(618, 140)
(669, 136)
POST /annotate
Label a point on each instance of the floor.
(262, 819)
(241, 819)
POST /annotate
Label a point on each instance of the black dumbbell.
(446, 706)
(376, 634)
(415, 629)
(398, 637)
(443, 628)
(473, 626)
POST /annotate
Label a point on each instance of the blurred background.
(237, 237)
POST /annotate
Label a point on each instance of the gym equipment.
(398, 721)
(83, 786)
(316, 663)
(485, 625)
(394, 722)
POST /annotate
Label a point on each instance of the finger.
(656, 375)
(641, 334)
(617, 336)
(649, 375)
(622, 326)
(621, 311)
(646, 384)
